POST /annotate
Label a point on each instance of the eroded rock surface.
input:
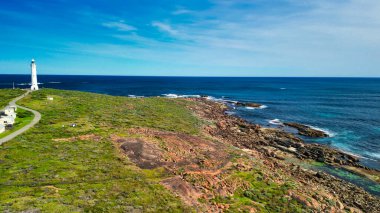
(307, 130)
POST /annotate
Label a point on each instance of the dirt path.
(36, 119)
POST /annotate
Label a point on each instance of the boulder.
(255, 105)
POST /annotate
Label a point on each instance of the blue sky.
(192, 38)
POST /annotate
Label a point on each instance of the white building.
(6, 120)
(7, 117)
(34, 83)
(2, 128)
(10, 111)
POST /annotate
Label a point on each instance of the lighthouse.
(34, 76)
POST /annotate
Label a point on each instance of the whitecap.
(228, 101)
(263, 106)
(211, 98)
(260, 107)
(373, 155)
(282, 88)
(220, 100)
(24, 84)
(191, 96)
(135, 96)
(350, 153)
(170, 95)
(328, 132)
(276, 121)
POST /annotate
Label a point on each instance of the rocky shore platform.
(276, 147)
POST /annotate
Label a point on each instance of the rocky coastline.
(278, 146)
(307, 130)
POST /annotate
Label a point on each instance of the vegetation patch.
(6, 95)
(261, 193)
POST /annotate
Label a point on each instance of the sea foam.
(328, 132)
(373, 155)
(170, 95)
(135, 96)
(276, 121)
(260, 107)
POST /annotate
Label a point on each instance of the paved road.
(36, 119)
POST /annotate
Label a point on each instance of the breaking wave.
(181, 96)
(276, 121)
(24, 84)
(135, 96)
(328, 132)
(260, 107)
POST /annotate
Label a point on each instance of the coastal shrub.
(6, 95)
(265, 195)
(23, 113)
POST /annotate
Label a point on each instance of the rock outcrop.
(254, 105)
(307, 130)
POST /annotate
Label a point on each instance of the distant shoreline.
(170, 76)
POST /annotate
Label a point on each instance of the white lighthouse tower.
(34, 75)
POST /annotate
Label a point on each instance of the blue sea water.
(347, 108)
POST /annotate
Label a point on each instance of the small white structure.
(2, 128)
(50, 98)
(7, 120)
(7, 117)
(10, 111)
(34, 76)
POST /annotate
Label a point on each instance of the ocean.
(348, 109)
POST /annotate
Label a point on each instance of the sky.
(332, 38)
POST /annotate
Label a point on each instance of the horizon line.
(200, 76)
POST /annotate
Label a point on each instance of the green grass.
(6, 95)
(38, 173)
(265, 195)
(22, 119)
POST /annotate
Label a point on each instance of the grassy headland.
(149, 154)
(38, 172)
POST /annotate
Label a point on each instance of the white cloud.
(182, 11)
(165, 28)
(120, 26)
(321, 38)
